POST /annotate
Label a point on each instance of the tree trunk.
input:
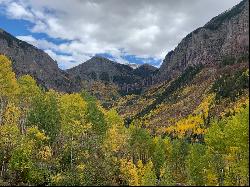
(1, 110)
(71, 152)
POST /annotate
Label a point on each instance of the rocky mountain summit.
(225, 35)
(101, 69)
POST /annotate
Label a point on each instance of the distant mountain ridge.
(102, 69)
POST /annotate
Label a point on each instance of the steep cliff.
(28, 59)
(225, 35)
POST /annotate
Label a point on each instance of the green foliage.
(178, 160)
(140, 143)
(96, 118)
(166, 178)
(160, 153)
(45, 114)
(228, 150)
(28, 89)
(196, 164)
(231, 86)
(149, 177)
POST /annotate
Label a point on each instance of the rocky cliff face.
(225, 35)
(27, 59)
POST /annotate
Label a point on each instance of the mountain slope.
(27, 59)
(226, 34)
(99, 68)
(145, 70)
(102, 69)
(210, 72)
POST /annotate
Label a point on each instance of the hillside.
(225, 35)
(127, 79)
(191, 72)
(28, 59)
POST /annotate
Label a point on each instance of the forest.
(52, 138)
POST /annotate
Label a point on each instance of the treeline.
(51, 138)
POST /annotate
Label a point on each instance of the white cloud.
(144, 28)
(39, 43)
(17, 11)
(68, 59)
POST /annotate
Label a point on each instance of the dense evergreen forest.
(52, 138)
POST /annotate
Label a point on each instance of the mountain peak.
(98, 57)
(224, 35)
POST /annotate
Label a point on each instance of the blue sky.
(141, 31)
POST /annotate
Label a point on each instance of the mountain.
(225, 35)
(28, 59)
(145, 70)
(133, 65)
(102, 69)
(223, 38)
(208, 70)
(187, 124)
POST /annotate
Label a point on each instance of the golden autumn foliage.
(194, 123)
(52, 138)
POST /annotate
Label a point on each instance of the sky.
(126, 31)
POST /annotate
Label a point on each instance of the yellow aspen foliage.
(73, 114)
(116, 136)
(45, 153)
(115, 139)
(205, 105)
(148, 177)
(8, 83)
(57, 179)
(237, 107)
(193, 124)
(9, 137)
(139, 174)
(129, 172)
(35, 135)
(211, 178)
(11, 114)
(28, 89)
